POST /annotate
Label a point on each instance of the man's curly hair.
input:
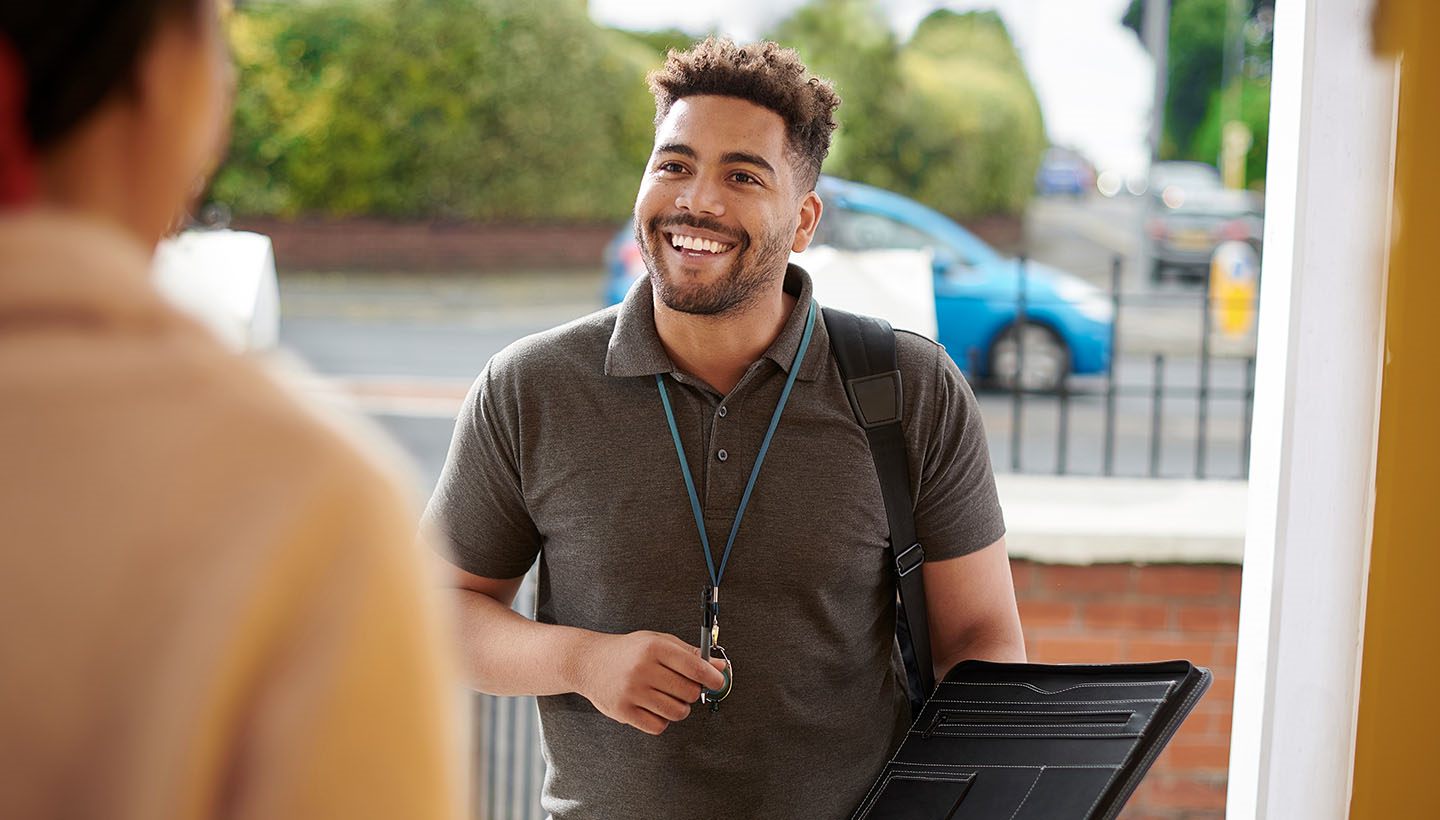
(767, 74)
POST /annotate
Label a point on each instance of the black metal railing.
(1114, 397)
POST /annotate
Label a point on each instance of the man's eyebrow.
(749, 159)
(728, 159)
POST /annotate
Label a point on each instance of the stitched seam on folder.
(1184, 710)
(1035, 688)
(1077, 736)
(879, 788)
(1032, 703)
(1014, 765)
(1028, 792)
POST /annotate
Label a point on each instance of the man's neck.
(719, 349)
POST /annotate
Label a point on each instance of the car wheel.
(1047, 359)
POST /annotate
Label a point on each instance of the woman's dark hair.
(74, 53)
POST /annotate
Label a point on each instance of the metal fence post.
(527, 760)
(510, 759)
(492, 709)
(1017, 392)
(1062, 441)
(1248, 397)
(1202, 396)
(1109, 454)
(1157, 397)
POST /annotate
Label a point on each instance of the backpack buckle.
(909, 560)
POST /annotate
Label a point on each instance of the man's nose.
(700, 196)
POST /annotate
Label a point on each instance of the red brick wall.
(1123, 612)
(362, 244)
(378, 245)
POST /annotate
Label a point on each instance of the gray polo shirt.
(562, 455)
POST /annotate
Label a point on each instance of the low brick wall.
(362, 244)
(378, 245)
(1124, 612)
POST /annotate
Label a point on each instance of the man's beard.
(734, 291)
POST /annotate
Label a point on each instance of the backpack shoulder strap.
(864, 349)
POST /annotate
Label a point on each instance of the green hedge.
(503, 109)
(526, 110)
(949, 117)
(975, 134)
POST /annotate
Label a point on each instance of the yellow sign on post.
(1236, 139)
(1234, 285)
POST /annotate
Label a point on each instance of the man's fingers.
(667, 707)
(677, 685)
(685, 659)
(647, 721)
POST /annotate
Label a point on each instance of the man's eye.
(670, 167)
(741, 176)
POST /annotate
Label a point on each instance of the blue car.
(977, 291)
(1060, 177)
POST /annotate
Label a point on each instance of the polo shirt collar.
(635, 348)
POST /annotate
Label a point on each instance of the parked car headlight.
(1096, 308)
(1088, 300)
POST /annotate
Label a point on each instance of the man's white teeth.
(695, 243)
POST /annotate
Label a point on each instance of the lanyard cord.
(759, 459)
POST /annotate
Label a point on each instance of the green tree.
(1246, 100)
(1199, 33)
(285, 58)
(949, 117)
(973, 133)
(662, 40)
(475, 109)
(850, 43)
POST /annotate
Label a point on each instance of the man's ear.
(810, 209)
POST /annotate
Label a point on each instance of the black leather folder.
(1016, 741)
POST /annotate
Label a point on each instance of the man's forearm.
(504, 653)
(1005, 646)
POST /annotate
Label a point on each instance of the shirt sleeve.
(957, 509)
(479, 504)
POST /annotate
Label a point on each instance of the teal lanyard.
(759, 459)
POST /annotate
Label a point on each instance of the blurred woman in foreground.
(211, 603)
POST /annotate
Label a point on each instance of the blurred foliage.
(527, 110)
(665, 39)
(1199, 33)
(975, 135)
(850, 43)
(949, 117)
(501, 109)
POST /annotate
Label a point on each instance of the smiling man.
(698, 437)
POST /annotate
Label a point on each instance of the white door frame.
(1321, 326)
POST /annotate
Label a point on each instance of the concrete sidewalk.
(1086, 520)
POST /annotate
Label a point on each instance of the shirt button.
(723, 456)
(723, 411)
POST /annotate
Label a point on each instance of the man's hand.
(645, 679)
